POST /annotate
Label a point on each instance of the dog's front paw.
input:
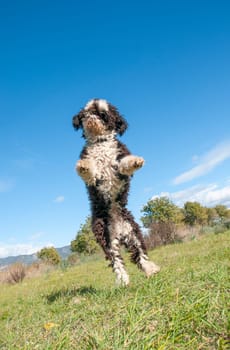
(129, 164)
(138, 163)
(83, 168)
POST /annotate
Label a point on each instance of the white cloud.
(20, 249)
(6, 185)
(59, 199)
(36, 235)
(207, 162)
(207, 195)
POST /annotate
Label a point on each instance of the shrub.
(227, 224)
(16, 273)
(49, 255)
(73, 259)
(161, 233)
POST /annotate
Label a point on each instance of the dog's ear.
(121, 124)
(77, 121)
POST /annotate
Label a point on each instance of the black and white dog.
(106, 167)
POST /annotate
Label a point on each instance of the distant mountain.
(64, 252)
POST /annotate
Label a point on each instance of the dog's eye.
(104, 116)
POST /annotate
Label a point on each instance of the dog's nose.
(93, 116)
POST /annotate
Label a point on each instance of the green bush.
(85, 241)
(49, 255)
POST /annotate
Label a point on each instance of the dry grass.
(17, 272)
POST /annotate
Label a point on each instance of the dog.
(106, 166)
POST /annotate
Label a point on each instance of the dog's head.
(99, 118)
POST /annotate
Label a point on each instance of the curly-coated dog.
(106, 166)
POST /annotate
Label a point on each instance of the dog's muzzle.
(93, 125)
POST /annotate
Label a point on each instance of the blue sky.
(164, 64)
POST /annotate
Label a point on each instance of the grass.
(183, 307)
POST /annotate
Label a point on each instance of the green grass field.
(183, 307)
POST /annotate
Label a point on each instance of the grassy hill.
(183, 307)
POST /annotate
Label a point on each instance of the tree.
(161, 217)
(222, 212)
(160, 210)
(211, 215)
(195, 214)
(85, 241)
(49, 255)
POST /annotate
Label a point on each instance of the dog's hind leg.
(122, 278)
(134, 242)
(100, 230)
(139, 257)
(111, 249)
